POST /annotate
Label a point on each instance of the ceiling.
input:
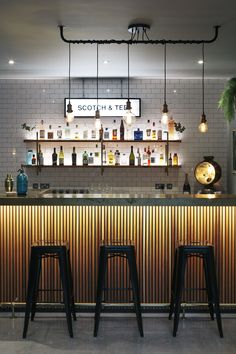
(29, 34)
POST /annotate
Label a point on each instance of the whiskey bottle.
(54, 157)
(159, 132)
(85, 158)
(131, 157)
(50, 133)
(59, 132)
(74, 157)
(154, 132)
(186, 186)
(170, 161)
(67, 131)
(122, 130)
(41, 131)
(148, 131)
(148, 156)
(111, 158)
(145, 160)
(40, 156)
(117, 158)
(61, 157)
(106, 134)
(34, 160)
(175, 159)
(138, 158)
(76, 132)
(101, 133)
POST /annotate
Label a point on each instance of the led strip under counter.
(155, 231)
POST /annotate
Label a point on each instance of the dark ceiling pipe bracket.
(157, 41)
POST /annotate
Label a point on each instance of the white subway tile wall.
(31, 101)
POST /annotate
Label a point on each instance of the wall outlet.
(35, 186)
(44, 185)
(169, 185)
(160, 186)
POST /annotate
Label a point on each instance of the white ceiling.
(29, 34)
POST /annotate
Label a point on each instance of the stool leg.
(72, 301)
(215, 293)
(65, 286)
(101, 276)
(135, 287)
(173, 286)
(36, 286)
(179, 288)
(30, 291)
(209, 289)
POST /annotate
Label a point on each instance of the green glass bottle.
(131, 157)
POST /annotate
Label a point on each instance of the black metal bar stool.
(206, 253)
(117, 250)
(39, 251)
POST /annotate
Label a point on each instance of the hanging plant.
(227, 101)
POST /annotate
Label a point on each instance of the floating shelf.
(96, 166)
(97, 141)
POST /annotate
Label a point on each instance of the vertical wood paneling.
(155, 232)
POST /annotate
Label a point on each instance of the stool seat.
(206, 253)
(39, 251)
(127, 251)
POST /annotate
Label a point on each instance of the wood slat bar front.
(155, 231)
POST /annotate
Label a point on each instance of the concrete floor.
(117, 335)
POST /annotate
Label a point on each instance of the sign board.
(109, 107)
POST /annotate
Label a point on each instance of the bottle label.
(42, 134)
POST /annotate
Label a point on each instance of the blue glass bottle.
(22, 183)
(138, 134)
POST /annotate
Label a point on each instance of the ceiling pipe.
(130, 41)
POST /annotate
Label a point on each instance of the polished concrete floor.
(49, 334)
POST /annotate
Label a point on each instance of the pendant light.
(129, 117)
(165, 117)
(97, 112)
(203, 127)
(69, 112)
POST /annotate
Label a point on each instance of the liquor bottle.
(61, 157)
(186, 186)
(40, 156)
(59, 132)
(111, 158)
(117, 158)
(54, 157)
(159, 132)
(122, 130)
(106, 134)
(145, 160)
(148, 131)
(149, 156)
(41, 131)
(97, 160)
(153, 158)
(138, 134)
(104, 155)
(29, 157)
(170, 161)
(93, 134)
(175, 159)
(85, 133)
(11, 182)
(131, 157)
(90, 159)
(101, 133)
(154, 132)
(161, 159)
(50, 133)
(7, 184)
(76, 132)
(138, 158)
(34, 160)
(67, 131)
(85, 158)
(74, 157)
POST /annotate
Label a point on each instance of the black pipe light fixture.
(165, 111)
(129, 117)
(97, 112)
(203, 127)
(69, 111)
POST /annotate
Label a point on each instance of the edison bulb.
(164, 118)
(203, 127)
(129, 117)
(69, 117)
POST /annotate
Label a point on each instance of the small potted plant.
(227, 100)
(28, 128)
(179, 128)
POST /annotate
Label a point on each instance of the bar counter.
(154, 222)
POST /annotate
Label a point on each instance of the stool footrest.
(113, 289)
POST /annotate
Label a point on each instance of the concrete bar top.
(46, 198)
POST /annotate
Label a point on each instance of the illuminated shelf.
(98, 166)
(97, 141)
